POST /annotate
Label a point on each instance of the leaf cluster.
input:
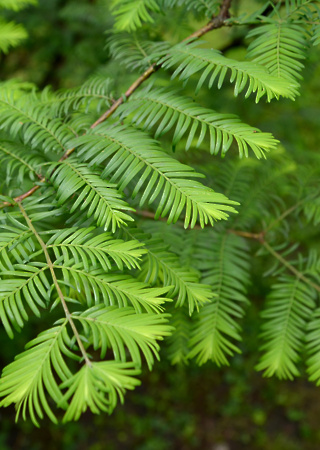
(114, 239)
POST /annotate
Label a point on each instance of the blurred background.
(187, 407)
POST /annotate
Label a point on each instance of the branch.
(260, 237)
(292, 269)
(216, 22)
(55, 281)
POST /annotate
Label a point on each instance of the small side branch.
(290, 267)
(214, 23)
(56, 284)
(260, 237)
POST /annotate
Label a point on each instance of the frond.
(18, 161)
(164, 265)
(207, 7)
(41, 208)
(98, 387)
(313, 348)
(93, 194)
(289, 306)
(24, 284)
(132, 152)
(79, 123)
(252, 77)
(156, 107)
(122, 330)
(234, 178)
(26, 117)
(311, 208)
(309, 13)
(279, 46)
(224, 261)
(11, 34)
(35, 371)
(133, 52)
(293, 6)
(84, 246)
(95, 90)
(178, 342)
(257, 203)
(16, 243)
(112, 289)
(130, 14)
(179, 241)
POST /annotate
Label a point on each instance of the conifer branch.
(55, 281)
(260, 238)
(216, 22)
(289, 266)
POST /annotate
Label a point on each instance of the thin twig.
(55, 281)
(290, 267)
(246, 234)
(260, 237)
(216, 22)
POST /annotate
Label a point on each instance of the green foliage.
(107, 284)
(252, 77)
(11, 34)
(290, 304)
(279, 47)
(131, 14)
(95, 90)
(133, 152)
(225, 266)
(101, 199)
(15, 5)
(175, 110)
(27, 117)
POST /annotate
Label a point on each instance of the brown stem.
(260, 237)
(216, 22)
(55, 281)
(292, 269)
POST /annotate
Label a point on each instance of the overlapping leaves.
(25, 116)
(280, 47)
(224, 261)
(165, 265)
(35, 373)
(289, 306)
(125, 332)
(82, 245)
(130, 14)
(127, 153)
(251, 78)
(166, 110)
